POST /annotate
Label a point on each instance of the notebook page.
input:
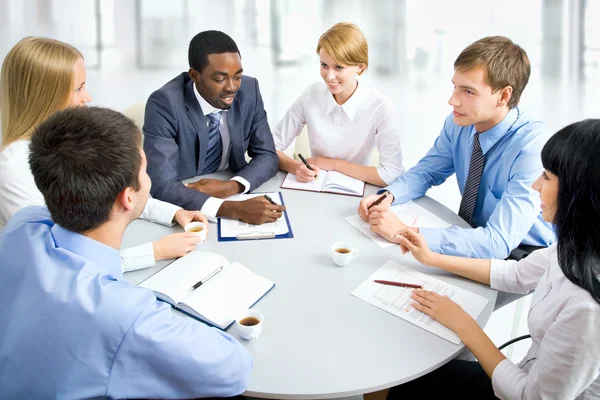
(340, 183)
(397, 300)
(290, 182)
(227, 295)
(409, 213)
(178, 277)
(234, 227)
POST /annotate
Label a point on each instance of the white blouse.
(18, 190)
(564, 322)
(348, 132)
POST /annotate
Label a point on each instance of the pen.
(379, 200)
(306, 163)
(266, 196)
(401, 284)
(197, 285)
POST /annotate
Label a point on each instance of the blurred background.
(132, 47)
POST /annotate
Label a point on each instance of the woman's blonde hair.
(36, 81)
(346, 44)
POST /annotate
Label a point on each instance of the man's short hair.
(81, 159)
(504, 62)
(206, 43)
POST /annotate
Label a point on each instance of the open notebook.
(218, 301)
(329, 182)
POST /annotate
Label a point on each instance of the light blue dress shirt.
(72, 328)
(508, 211)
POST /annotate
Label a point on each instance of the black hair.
(81, 159)
(572, 155)
(209, 42)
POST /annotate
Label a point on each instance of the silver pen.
(204, 280)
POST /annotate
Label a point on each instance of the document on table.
(409, 213)
(397, 300)
(233, 227)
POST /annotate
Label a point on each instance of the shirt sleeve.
(431, 170)
(243, 182)
(520, 276)
(568, 359)
(137, 257)
(160, 212)
(290, 126)
(167, 355)
(211, 208)
(387, 140)
(510, 221)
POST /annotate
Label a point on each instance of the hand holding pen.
(306, 172)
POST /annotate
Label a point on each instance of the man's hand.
(216, 188)
(385, 222)
(363, 207)
(184, 217)
(328, 164)
(174, 245)
(303, 174)
(256, 210)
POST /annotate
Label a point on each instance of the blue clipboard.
(259, 236)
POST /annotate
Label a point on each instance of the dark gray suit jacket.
(176, 140)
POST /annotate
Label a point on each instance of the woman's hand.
(442, 309)
(412, 241)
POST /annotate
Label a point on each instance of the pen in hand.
(306, 164)
(266, 196)
(379, 200)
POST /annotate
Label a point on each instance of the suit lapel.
(198, 120)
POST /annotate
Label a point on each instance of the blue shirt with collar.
(507, 212)
(72, 327)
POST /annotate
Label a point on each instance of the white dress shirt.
(564, 322)
(348, 132)
(212, 204)
(18, 190)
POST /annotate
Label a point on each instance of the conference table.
(319, 341)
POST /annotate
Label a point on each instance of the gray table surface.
(318, 340)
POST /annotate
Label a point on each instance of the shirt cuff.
(433, 237)
(211, 208)
(497, 270)
(505, 380)
(138, 257)
(244, 183)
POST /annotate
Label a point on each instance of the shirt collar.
(350, 106)
(206, 107)
(90, 249)
(489, 138)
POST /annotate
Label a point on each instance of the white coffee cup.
(198, 229)
(342, 253)
(250, 332)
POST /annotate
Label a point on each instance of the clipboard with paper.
(232, 229)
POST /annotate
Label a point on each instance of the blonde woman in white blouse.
(39, 77)
(564, 319)
(345, 119)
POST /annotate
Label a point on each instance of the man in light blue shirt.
(72, 327)
(493, 147)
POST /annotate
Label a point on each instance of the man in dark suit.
(204, 121)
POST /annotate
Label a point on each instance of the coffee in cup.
(342, 253)
(198, 229)
(249, 324)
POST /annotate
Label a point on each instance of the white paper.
(409, 213)
(397, 300)
(290, 182)
(329, 181)
(234, 227)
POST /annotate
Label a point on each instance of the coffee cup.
(249, 324)
(342, 253)
(198, 229)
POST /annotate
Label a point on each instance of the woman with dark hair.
(564, 319)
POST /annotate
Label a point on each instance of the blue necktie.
(215, 144)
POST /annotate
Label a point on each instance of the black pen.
(266, 196)
(197, 285)
(379, 200)
(306, 163)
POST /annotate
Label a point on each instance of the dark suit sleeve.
(161, 129)
(261, 148)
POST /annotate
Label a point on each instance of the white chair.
(136, 113)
